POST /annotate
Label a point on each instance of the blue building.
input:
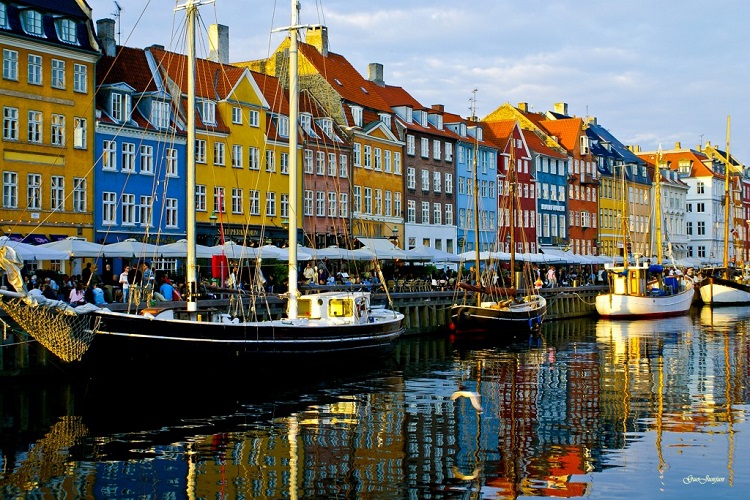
(139, 181)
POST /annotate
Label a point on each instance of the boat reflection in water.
(594, 405)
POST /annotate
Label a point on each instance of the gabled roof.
(398, 96)
(567, 131)
(129, 66)
(623, 152)
(698, 161)
(343, 78)
(452, 118)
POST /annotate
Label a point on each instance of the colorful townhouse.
(739, 236)
(624, 195)
(672, 195)
(239, 187)
(703, 203)
(476, 185)
(516, 189)
(582, 179)
(550, 164)
(428, 167)
(376, 151)
(139, 179)
(49, 52)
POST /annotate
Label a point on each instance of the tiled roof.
(129, 66)
(566, 130)
(275, 94)
(536, 144)
(213, 80)
(343, 78)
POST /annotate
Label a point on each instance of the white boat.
(644, 290)
(339, 324)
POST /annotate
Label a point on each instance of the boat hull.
(503, 322)
(720, 291)
(136, 340)
(631, 306)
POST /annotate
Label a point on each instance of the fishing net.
(66, 335)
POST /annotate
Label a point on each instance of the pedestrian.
(98, 294)
(551, 277)
(124, 284)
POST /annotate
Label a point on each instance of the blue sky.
(651, 72)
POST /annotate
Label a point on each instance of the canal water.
(594, 408)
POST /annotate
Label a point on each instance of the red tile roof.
(212, 79)
(567, 131)
(129, 66)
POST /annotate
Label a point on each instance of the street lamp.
(213, 218)
(394, 235)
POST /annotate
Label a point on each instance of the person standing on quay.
(124, 283)
(551, 277)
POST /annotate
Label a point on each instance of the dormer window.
(480, 134)
(305, 121)
(327, 125)
(3, 16)
(32, 22)
(439, 122)
(462, 130)
(386, 119)
(423, 119)
(357, 115)
(160, 114)
(283, 126)
(209, 112)
(66, 30)
(120, 106)
(409, 115)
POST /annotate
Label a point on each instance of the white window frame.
(10, 64)
(80, 198)
(146, 159)
(109, 208)
(34, 73)
(57, 74)
(80, 78)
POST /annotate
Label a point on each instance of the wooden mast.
(727, 203)
(657, 207)
(477, 275)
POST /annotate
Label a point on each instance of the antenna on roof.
(117, 16)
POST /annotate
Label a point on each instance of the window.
(237, 156)
(66, 30)
(200, 151)
(58, 74)
(320, 203)
(700, 207)
(253, 118)
(436, 149)
(308, 203)
(388, 160)
(285, 163)
(160, 114)
(425, 180)
(357, 154)
(31, 21)
(128, 210)
(331, 164)
(368, 201)
(237, 115)
(343, 166)
(425, 212)
(449, 214)
(411, 147)
(327, 126)
(388, 203)
(146, 211)
(117, 104)
(109, 208)
(689, 227)
(701, 228)
(437, 183)
(437, 213)
(237, 201)
(209, 113)
(254, 158)
(425, 147)
(10, 124)
(357, 199)
(308, 161)
(80, 78)
(411, 211)
(368, 156)
(200, 198)
(35, 126)
(270, 160)
(79, 194)
(10, 64)
(109, 155)
(397, 204)
(254, 202)
(397, 162)
(128, 157)
(80, 138)
(320, 162)
(57, 131)
(284, 205)
(357, 115)
(220, 154)
(147, 160)
(283, 126)
(378, 159)
(3, 16)
(219, 200)
(448, 183)
(171, 212)
(10, 190)
(411, 178)
(448, 151)
(331, 204)
(57, 192)
(34, 191)
(378, 202)
(343, 205)
(171, 162)
(305, 121)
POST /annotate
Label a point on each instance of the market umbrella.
(423, 252)
(33, 252)
(179, 249)
(130, 248)
(75, 247)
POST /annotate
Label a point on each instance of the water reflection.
(583, 410)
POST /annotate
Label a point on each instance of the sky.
(652, 72)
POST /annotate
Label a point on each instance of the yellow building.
(242, 181)
(47, 149)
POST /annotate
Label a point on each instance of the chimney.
(105, 30)
(523, 106)
(591, 120)
(677, 145)
(218, 43)
(561, 108)
(440, 108)
(156, 46)
(375, 74)
(317, 36)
